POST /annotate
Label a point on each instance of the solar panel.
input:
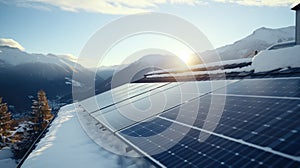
(268, 122)
(121, 116)
(128, 93)
(280, 87)
(181, 91)
(133, 111)
(154, 138)
(133, 99)
(91, 104)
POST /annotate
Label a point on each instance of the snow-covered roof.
(66, 144)
(297, 7)
(277, 59)
(200, 66)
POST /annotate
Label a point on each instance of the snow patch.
(5, 153)
(277, 59)
(6, 158)
(195, 73)
(71, 81)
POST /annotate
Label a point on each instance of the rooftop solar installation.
(124, 114)
(245, 123)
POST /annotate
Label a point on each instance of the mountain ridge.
(260, 39)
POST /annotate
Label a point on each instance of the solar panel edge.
(277, 78)
(104, 124)
(258, 96)
(140, 150)
(128, 142)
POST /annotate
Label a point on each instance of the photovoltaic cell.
(268, 122)
(190, 152)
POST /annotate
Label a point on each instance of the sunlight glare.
(184, 56)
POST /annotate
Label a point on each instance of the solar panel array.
(246, 123)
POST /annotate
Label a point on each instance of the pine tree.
(41, 113)
(5, 124)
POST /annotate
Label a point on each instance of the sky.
(64, 26)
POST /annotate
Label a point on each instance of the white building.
(297, 37)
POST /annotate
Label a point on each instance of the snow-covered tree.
(41, 113)
(5, 124)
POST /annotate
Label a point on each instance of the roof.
(297, 7)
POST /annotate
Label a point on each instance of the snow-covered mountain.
(22, 74)
(259, 40)
(14, 56)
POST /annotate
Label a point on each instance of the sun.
(184, 56)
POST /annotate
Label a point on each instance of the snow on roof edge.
(204, 65)
(274, 59)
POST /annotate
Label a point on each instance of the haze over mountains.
(22, 74)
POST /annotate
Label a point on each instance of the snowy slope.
(259, 40)
(67, 145)
(52, 73)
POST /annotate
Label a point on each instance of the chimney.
(297, 34)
